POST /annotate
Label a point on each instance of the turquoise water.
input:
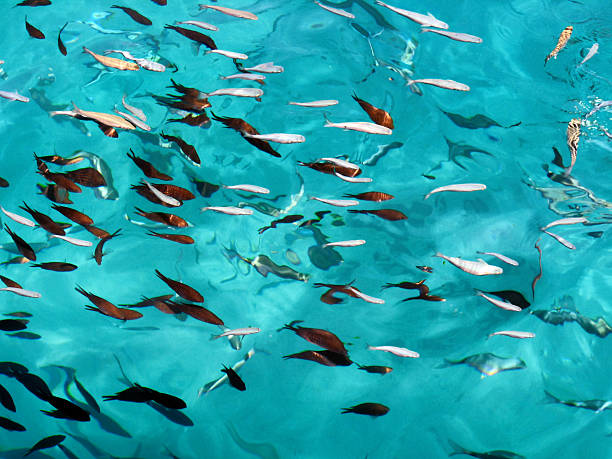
(291, 408)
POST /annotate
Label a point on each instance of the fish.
(44, 221)
(45, 443)
(73, 241)
(497, 454)
(66, 410)
(331, 167)
(34, 3)
(188, 150)
(573, 136)
(229, 210)
(489, 364)
(57, 266)
(264, 265)
(266, 67)
(24, 248)
(378, 115)
(24, 335)
(230, 54)
(444, 84)
(565, 221)
(238, 332)
(513, 297)
(278, 137)
(100, 247)
(245, 76)
(74, 215)
(137, 112)
(477, 268)
(387, 214)
(218, 382)
(197, 312)
(230, 12)
(399, 351)
(180, 238)
(111, 62)
(59, 160)
(316, 103)
(109, 191)
(326, 358)
(132, 119)
(350, 243)
(457, 36)
(105, 118)
(420, 286)
(234, 379)
(201, 25)
(594, 405)
(337, 11)
(500, 304)
(238, 92)
(375, 369)
(287, 219)
(513, 334)
(426, 269)
(199, 121)
(14, 96)
(460, 187)
(248, 188)
(337, 202)
(563, 39)
(173, 202)
(561, 240)
(425, 20)
(18, 314)
(60, 43)
(13, 324)
(107, 308)
(539, 275)
(323, 338)
(353, 179)
(12, 369)
(361, 126)
(139, 394)
(194, 35)
(97, 232)
(33, 31)
(183, 290)
(367, 298)
(9, 425)
(592, 51)
(35, 385)
(340, 162)
(63, 181)
(165, 218)
(3, 183)
(371, 409)
(135, 15)
(18, 218)
(503, 258)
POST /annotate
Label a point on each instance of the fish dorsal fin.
(481, 260)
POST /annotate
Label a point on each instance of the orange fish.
(183, 290)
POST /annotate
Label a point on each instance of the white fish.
(399, 351)
(144, 63)
(231, 12)
(228, 210)
(503, 258)
(278, 138)
(514, 334)
(238, 92)
(73, 241)
(477, 268)
(565, 221)
(230, 54)
(337, 11)
(353, 179)
(14, 96)
(134, 110)
(428, 21)
(599, 106)
(367, 298)
(457, 36)
(64, 112)
(351, 243)
(218, 382)
(18, 218)
(266, 67)
(590, 54)
(565, 242)
(316, 103)
(464, 187)
(499, 303)
(249, 188)
(201, 25)
(444, 84)
(244, 76)
(238, 332)
(361, 126)
(340, 162)
(337, 202)
(21, 292)
(161, 196)
(135, 121)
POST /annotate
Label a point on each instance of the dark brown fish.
(192, 120)
(243, 127)
(87, 176)
(34, 3)
(287, 219)
(13, 324)
(234, 380)
(331, 168)
(329, 298)
(103, 306)
(23, 247)
(36, 385)
(24, 335)
(191, 92)
(195, 36)
(108, 131)
(160, 2)
(426, 269)
(187, 149)
(9, 282)
(33, 31)
(98, 250)
(512, 296)
(378, 115)
(387, 214)
(74, 215)
(97, 232)
(157, 302)
(371, 409)
(174, 191)
(44, 221)
(327, 358)
(196, 311)
(60, 43)
(186, 102)
(376, 196)
(420, 286)
(66, 410)
(135, 15)
(55, 193)
(58, 266)
(376, 369)
(3, 183)
(146, 193)
(18, 314)
(59, 160)
(180, 238)
(63, 181)
(323, 338)
(162, 217)
(204, 188)
(7, 424)
(147, 168)
(47, 442)
(183, 290)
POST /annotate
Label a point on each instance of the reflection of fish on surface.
(264, 265)
(212, 385)
(457, 150)
(488, 364)
(497, 454)
(261, 450)
(594, 405)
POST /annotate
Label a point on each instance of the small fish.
(248, 188)
(539, 275)
(278, 138)
(230, 54)
(561, 240)
(162, 217)
(74, 241)
(245, 76)
(147, 168)
(216, 383)
(573, 136)
(60, 161)
(9, 282)
(47, 442)
(337, 11)
(426, 269)
(112, 62)
(351, 243)
(24, 335)
(18, 314)
(100, 247)
(287, 219)
(195, 36)
(238, 92)
(18, 218)
(477, 268)
(266, 67)
(457, 36)
(201, 120)
(238, 332)
(137, 112)
(353, 179)
(188, 150)
(24, 248)
(387, 214)
(323, 338)
(444, 84)
(33, 31)
(489, 364)
(180, 238)
(201, 25)
(57, 266)
(231, 12)
(370, 409)
(44, 221)
(316, 103)
(135, 15)
(514, 334)
(361, 126)
(563, 39)
(376, 369)
(234, 379)
(183, 290)
(337, 202)
(326, 358)
(497, 454)
(34, 3)
(60, 43)
(399, 351)
(594, 405)
(592, 51)
(460, 187)
(565, 221)
(197, 312)
(374, 196)
(500, 304)
(341, 162)
(13, 324)
(14, 96)
(228, 210)
(161, 196)
(427, 21)
(378, 115)
(9, 425)
(132, 119)
(503, 258)
(105, 118)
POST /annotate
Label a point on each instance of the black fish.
(325, 357)
(47, 442)
(513, 297)
(168, 401)
(187, 149)
(376, 369)
(135, 15)
(136, 393)
(243, 127)
(36, 385)
(3, 183)
(65, 409)
(6, 399)
(287, 219)
(33, 31)
(7, 424)
(13, 324)
(195, 36)
(204, 188)
(18, 314)
(23, 247)
(12, 369)
(60, 43)
(371, 409)
(24, 335)
(234, 379)
(34, 3)
(497, 454)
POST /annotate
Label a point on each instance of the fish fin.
(457, 449)
(550, 398)
(214, 337)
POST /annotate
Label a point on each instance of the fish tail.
(457, 449)
(550, 398)
(328, 123)
(214, 337)
(347, 410)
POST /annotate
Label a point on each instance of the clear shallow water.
(294, 406)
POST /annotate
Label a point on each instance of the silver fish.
(248, 188)
(366, 298)
(21, 292)
(477, 268)
(201, 25)
(340, 162)
(278, 138)
(238, 92)
(565, 242)
(266, 67)
(337, 11)
(590, 54)
(565, 221)
(500, 304)
(316, 103)
(231, 12)
(14, 96)
(489, 364)
(238, 332)
(230, 54)
(513, 334)
(338, 202)
(144, 63)
(457, 36)
(444, 84)
(228, 210)
(135, 121)
(594, 405)
(244, 76)
(426, 20)
(459, 187)
(73, 241)
(351, 243)
(18, 218)
(134, 110)
(503, 258)
(161, 196)
(361, 126)
(353, 179)
(399, 351)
